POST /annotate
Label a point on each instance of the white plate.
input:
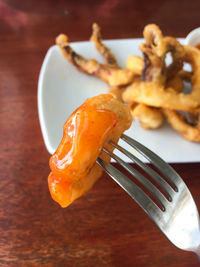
(193, 38)
(62, 88)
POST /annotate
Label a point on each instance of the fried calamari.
(109, 72)
(153, 87)
(162, 85)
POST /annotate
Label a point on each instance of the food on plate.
(150, 118)
(116, 77)
(151, 89)
(192, 56)
(151, 86)
(109, 72)
(135, 64)
(155, 50)
(191, 131)
(162, 85)
(177, 82)
(155, 95)
(90, 127)
(109, 58)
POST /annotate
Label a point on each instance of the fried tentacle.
(109, 58)
(135, 64)
(155, 95)
(154, 68)
(155, 50)
(176, 83)
(149, 117)
(189, 132)
(112, 76)
(177, 52)
(192, 56)
(88, 66)
(154, 39)
(154, 65)
(155, 91)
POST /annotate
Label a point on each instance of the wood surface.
(104, 227)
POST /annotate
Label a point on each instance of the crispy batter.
(148, 84)
(109, 58)
(155, 95)
(177, 83)
(178, 122)
(150, 118)
(192, 56)
(155, 50)
(135, 64)
(163, 85)
(112, 75)
(190, 130)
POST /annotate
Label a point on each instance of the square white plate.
(62, 88)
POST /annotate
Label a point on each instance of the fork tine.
(142, 179)
(133, 190)
(160, 181)
(160, 164)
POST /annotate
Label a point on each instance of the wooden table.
(104, 227)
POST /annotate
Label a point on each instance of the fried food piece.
(150, 118)
(148, 84)
(73, 166)
(155, 50)
(176, 83)
(176, 51)
(109, 73)
(117, 92)
(154, 64)
(72, 160)
(156, 75)
(190, 130)
(178, 122)
(154, 39)
(152, 68)
(155, 95)
(192, 56)
(135, 64)
(109, 58)
(185, 75)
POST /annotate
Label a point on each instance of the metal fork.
(175, 212)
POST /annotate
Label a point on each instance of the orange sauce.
(84, 134)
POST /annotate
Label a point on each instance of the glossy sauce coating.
(83, 137)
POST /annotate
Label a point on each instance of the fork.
(172, 208)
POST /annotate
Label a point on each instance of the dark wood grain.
(105, 227)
